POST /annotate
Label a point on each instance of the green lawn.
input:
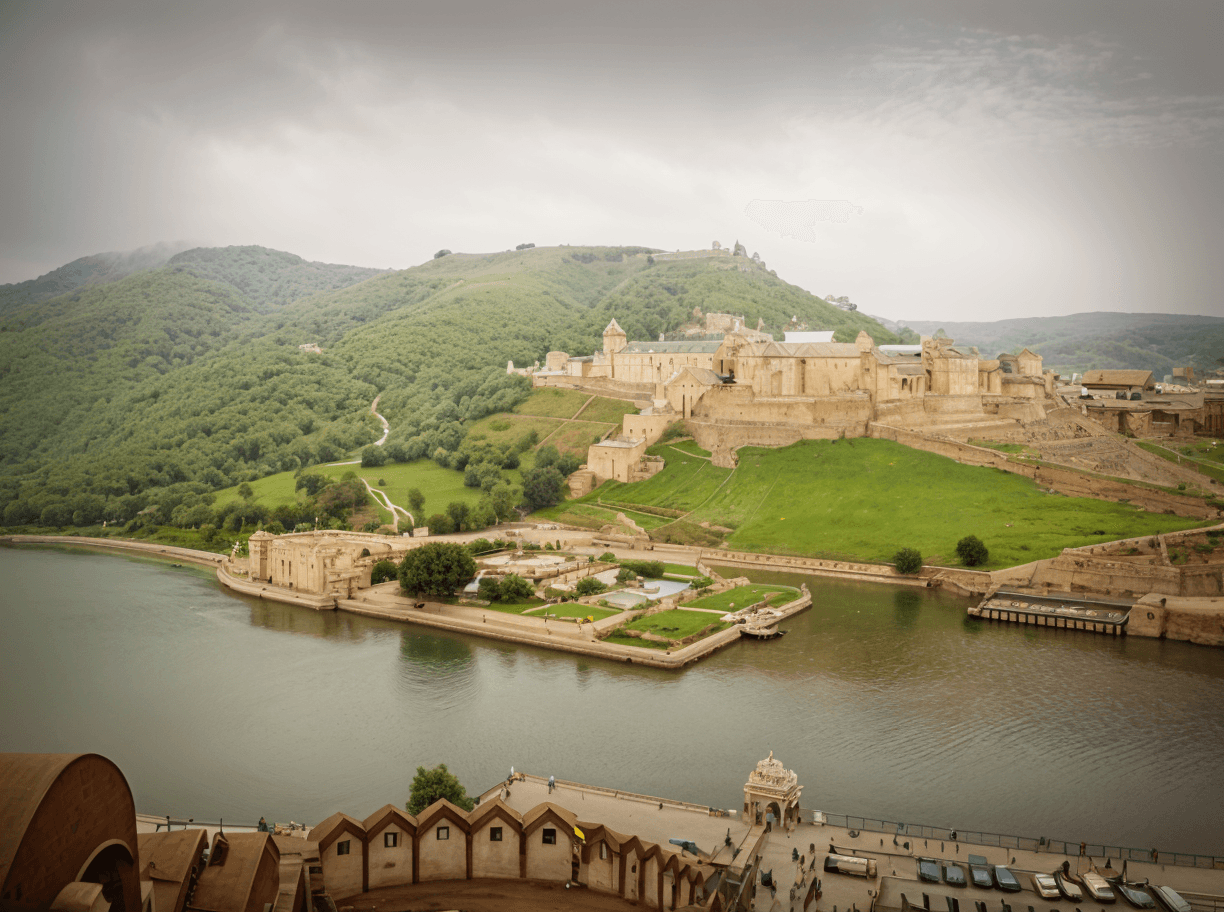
(681, 570)
(516, 607)
(607, 411)
(440, 486)
(575, 610)
(553, 403)
(504, 428)
(576, 436)
(864, 499)
(620, 640)
(676, 623)
(743, 596)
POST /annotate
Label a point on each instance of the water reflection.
(907, 605)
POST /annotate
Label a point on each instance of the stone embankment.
(148, 549)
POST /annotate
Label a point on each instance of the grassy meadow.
(864, 499)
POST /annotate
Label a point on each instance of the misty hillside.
(190, 377)
(1081, 342)
(89, 270)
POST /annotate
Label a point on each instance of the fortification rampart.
(599, 386)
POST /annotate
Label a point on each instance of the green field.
(516, 607)
(743, 596)
(440, 486)
(576, 610)
(676, 623)
(864, 499)
(553, 403)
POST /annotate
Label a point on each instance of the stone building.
(749, 389)
(323, 563)
(772, 790)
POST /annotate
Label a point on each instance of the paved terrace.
(660, 819)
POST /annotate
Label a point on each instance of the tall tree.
(428, 785)
(437, 568)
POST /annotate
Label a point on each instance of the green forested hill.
(90, 270)
(187, 378)
(1088, 341)
(268, 277)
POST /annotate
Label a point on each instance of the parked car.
(1170, 899)
(954, 874)
(850, 864)
(928, 870)
(1045, 886)
(1134, 894)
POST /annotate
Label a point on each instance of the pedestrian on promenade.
(552, 784)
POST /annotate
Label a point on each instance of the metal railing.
(1025, 843)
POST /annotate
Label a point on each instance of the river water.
(887, 702)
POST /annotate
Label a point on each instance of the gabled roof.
(701, 374)
(331, 829)
(613, 327)
(494, 808)
(227, 887)
(170, 856)
(384, 817)
(546, 812)
(1117, 378)
(1031, 354)
(443, 809)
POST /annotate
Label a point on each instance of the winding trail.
(381, 498)
(386, 427)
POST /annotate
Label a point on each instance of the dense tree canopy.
(436, 568)
(429, 785)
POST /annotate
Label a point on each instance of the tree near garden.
(908, 560)
(542, 488)
(516, 589)
(430, 785)
(416, 502)
(438, 568)
(972, 551)
(589, 585)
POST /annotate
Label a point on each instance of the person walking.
(552, 784)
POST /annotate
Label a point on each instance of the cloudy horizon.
(932, 160)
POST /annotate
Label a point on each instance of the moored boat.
(1069, 889)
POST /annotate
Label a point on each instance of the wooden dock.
(1067, 611)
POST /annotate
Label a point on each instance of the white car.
(1045, 886)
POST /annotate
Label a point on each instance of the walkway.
(381, 498)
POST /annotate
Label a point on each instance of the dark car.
(1005, 880)
(979, 872)
(953, 874)
(928, 870)
(1134, 895)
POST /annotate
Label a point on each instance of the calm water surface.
(887, 702)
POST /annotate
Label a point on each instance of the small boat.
(953, 874)
(1005, 880)
(1045, 886)
(763, 633)
(928, 870)
(1069, 889)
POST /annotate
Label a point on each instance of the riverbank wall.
(149, 549)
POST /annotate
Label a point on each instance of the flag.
(581, 835)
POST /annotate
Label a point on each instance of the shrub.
(607, 557)
(908, 560)
(702, 582)
(625, 575)
(972, 551)
(489, 589)
(648, 569)
(589, 585)
(515, 588)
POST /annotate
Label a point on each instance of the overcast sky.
(995, 160)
